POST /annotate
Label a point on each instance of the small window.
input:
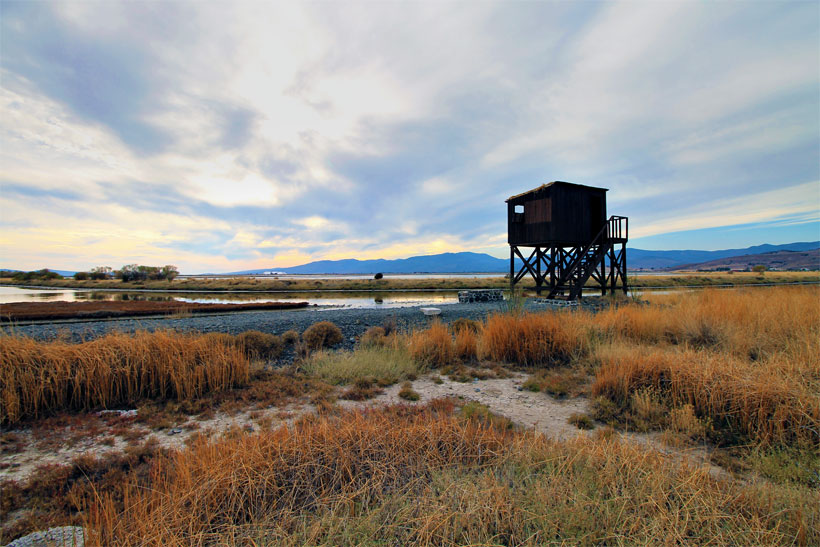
(519, 209)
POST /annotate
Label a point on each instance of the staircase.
(574, 275)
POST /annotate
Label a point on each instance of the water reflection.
(334, 299)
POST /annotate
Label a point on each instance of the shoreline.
(253, 285)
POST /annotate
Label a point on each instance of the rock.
(62, 536)
(174, 431)
(480, 295)
(121, 413)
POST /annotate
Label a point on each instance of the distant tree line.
(37, 274)
(130, 272)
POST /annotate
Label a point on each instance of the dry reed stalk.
(39, 378)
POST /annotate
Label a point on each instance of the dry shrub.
(432, 347)
(761, 402)
(533, 339)
(421, 477)
(290, 336)
(361, 390)
(581, 421)
(408, 393)
(463, 323)
(374, 336)
(323, 334)
(39, 378)
(648, 411)
(558, 382)
(53, 493)
(260, 345)
(215, 486)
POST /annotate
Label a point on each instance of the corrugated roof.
(550, 184)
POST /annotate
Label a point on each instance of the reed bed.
(762, 402)
(429, 477)
(40, 378)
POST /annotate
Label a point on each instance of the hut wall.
(559, 215)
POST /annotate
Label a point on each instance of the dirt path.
(503, 396)
(96, 435)
(537, 411)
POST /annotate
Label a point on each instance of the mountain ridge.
(469, 262)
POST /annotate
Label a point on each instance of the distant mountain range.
(639, 258)
(64, 273)
(775, 260)
(467, 262)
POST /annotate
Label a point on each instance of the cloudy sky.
(221, 136)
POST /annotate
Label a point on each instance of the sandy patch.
(503, 396)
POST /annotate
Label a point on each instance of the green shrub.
(323, 334)
(81, 276)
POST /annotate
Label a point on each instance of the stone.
(480, 295)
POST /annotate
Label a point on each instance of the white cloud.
(770, 206)
(397, 127)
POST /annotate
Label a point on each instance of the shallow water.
(335, 299)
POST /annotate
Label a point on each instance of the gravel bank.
(353, 322)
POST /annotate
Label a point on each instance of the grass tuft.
(364, 362)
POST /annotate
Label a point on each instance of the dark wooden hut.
(566, 224)
(556, 214)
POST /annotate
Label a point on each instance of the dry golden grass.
(749, 323)
(466, 345)
(761, 401)
(39, 378)
(433, 347)
(748, 360)
(429, 477)
(533, 339)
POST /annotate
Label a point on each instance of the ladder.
(583, 263)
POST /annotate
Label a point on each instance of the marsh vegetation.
(735, 371)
